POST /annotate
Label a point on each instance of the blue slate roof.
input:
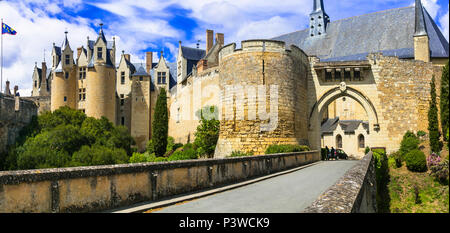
(348, 126)
(140, 72)
(390, 32)
(193, 53)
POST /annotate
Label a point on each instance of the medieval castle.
(351, 83)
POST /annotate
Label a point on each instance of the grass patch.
(433, 197)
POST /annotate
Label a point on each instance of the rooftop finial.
(198, 43)
(420, 28)
(101, 26)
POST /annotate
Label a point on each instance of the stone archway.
(327, 98)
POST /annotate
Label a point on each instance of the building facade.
(372, 72)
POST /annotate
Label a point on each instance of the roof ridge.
(351, 17)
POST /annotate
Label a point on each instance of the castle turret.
(63, 91)
(101, 80)
(318, 19)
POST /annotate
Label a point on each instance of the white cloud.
(444, 24)
(35, 32)
(432, 7)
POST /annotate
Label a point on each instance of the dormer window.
(161, 77)
(67, 59)
(99, 53)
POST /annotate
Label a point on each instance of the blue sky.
(155, 25)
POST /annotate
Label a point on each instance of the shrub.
(381, 166)
(207, 133)
(276, 149)
(239, 154)
(367, 150)
(416, 161)
(142, 158)
(397, 157)
(421, 133)
(433, 160)
(99, 155)
(409, 142)
(185, 154)
(440, 171)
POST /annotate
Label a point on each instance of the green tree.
(160, 125)
(433, 123)
(99, 155)
(207, 132)
(444, 101)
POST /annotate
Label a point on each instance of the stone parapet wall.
(355, 192)
(87, 189)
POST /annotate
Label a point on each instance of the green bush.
(239, 154)
(416, 161)
(409, 142)
(367, 150)
(397, 157)
(421, 133)
(185, 154)
(99, 155)
(142, 158)
(207, 132)
(276, 149)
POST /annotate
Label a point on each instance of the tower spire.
(318, 19)
(318, 6)
(420, 28)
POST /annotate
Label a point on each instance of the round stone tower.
(264, 97)
(101, 81)
(64, 81)
(101, 92)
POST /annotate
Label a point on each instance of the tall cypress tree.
(433, 123)
(160, 125)
(444, 101)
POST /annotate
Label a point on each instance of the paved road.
(290, 193)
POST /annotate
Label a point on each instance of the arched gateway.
(317, 110)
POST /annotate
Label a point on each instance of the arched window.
(338, 141)
(361, 141)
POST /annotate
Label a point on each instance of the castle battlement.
(262, 46)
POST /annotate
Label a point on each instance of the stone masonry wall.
(403, 89)
(15, 113)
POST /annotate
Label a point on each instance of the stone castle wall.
(266, 63)
(140, 111)
(200, 90)
(403, 90)
(15, 113)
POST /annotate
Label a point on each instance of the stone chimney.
(7, 90)
(148, 61)
(220, 39)
(209, 40)
(16, 89)
(43, 90)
